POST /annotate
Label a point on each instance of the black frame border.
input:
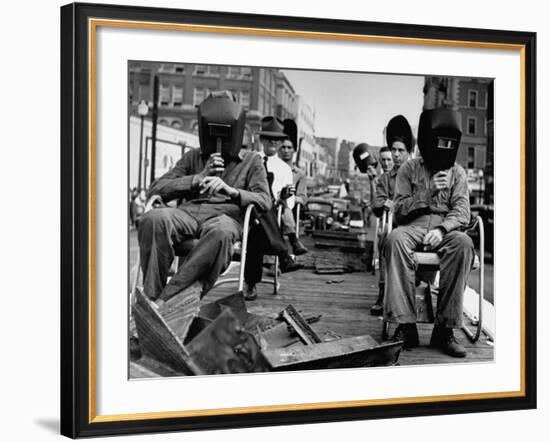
(75, 400)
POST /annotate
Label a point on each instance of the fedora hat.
(272, 127)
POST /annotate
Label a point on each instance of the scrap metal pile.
(192, 338)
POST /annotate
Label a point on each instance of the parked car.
(341, 210)
(326, 214)
(356, 218)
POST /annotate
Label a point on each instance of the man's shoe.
(444, 339)
(377, 309)
(288, 264)
(408, 334)
(250, 293)
(298, 248)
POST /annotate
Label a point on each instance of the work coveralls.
(215, 221)
(419, 210)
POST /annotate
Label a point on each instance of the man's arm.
(257, 188)
(301, 189)
(406, 204)
(381, 195)
(459, 215)
(178, 182)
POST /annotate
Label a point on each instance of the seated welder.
(214, 185)
(431, 204)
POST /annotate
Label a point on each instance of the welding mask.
(221, 123)
(439, 138)
(399, 129)
(363, 158)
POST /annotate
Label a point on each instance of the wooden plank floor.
(344, 306)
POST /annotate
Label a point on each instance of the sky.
(357, 106)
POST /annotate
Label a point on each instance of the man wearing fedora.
(266, 237)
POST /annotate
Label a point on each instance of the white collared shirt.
(282, 176)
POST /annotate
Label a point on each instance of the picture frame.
(79, 205)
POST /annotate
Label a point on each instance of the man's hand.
(214, 167)
(371, 172)
(439, 181)
(432, 239)
(214, 184)
(288, 191)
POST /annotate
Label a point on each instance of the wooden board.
(357, 351)
(156, 338)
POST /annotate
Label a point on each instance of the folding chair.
(429, 262)
(380, 229)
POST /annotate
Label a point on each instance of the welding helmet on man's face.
(439, 138)
(221, 123)
(363, 158)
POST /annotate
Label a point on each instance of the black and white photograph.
(285, 219)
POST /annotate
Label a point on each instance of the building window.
(177, 96)
(166, 67)
(471, 157)
(199, 94)
(246, 73)
(214, 71)
(164, 95)
(176, 124)
(163, 122)
(244, 99)
(472, 98)
(233, 72)
(143, 93)
(472, 125)
(200, 69)
(179, 68)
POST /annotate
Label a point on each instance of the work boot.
(378, 308)
(408, 334)
(250, 293)
(444, 339)
(288, 264)
(298, 248)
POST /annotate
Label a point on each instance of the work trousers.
(381, 259)
(456, 252)
(288, 225)
(162, 230)
(264, 238)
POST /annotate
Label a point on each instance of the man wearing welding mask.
(431, 204)
(213, 185)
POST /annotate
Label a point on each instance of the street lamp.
(142, 109)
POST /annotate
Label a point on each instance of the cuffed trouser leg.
(265, 238)
(456, 252)
(209, 258)
(399, 297)
(288, 225)
(158, 230)
(257, 246)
